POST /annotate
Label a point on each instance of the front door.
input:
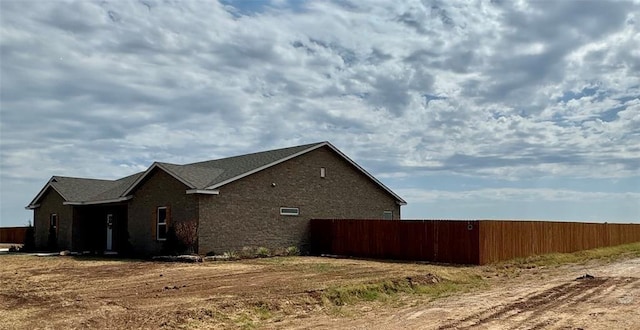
(109, 232)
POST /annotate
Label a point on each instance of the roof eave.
(32, 206)
(203, 191)
(105, 201)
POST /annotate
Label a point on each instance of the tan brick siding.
(50, 203)
(159, 189)
(247, 211)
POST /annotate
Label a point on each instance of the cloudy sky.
(470, 109)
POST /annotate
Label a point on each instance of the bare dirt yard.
(309, 292)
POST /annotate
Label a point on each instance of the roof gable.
(83, 190)
(223, 171)
(200, 177)
(215, 173)
(42, 193)
(399, 199)
(242, 166)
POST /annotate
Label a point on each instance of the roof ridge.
(255, 153)
(129, 176)
(79, 178)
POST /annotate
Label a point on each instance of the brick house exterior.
(261, 199)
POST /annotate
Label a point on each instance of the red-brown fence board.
(428, 240)
(12, 234)
(503, 240)
(461, 241)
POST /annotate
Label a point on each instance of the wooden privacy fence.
(429, 240)
(503, 240)
(462, 242)
(12, 234)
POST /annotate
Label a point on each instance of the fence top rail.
(495, 221)
(556, 222)
(394, 220)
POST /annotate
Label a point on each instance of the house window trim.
(158, 224)
(56, 228)
(51, 222)
(56, 223)
(290, 214)
(323, 172)
(387, 215)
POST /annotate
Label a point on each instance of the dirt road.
(70, 293)
(535, 299)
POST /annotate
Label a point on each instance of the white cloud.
(540, 195)
(480, 89)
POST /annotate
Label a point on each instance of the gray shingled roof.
(88, 190)
(209, 173)
(197, 175)
(80, 189)
(202, 175)
(118, 189)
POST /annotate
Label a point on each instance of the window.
(53, 221)
(289, 211)
(161, 223)
(387, 215)
(323, 172)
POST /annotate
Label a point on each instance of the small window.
(387, 215)
(161, 232)
(323, 172)
(289, 211)
(53, 221)
(109, 220)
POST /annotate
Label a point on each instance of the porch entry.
(100, 228)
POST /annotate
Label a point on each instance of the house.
(259, 199)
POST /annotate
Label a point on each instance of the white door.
(109, 232)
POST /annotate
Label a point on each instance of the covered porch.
(100, 228)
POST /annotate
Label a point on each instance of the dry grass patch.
(68, 292)
(611, 253)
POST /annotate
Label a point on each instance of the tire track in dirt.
(527, 313)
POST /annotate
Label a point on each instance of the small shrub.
(263, 310)
(210, 253)
(262, 252)
(173, 245)
(278, 252)
(13, 248)
(187, 233)
(231, 255)
(292, 251)
(247, 252)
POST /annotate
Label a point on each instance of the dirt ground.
(535, 299)
(80, 293)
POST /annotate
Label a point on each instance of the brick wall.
(159, 189)
(51, 202)
(247, 211)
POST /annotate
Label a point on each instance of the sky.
(466, 109)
